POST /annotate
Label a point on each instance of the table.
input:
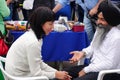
(58, 45)
(16, 25)
(16, 34)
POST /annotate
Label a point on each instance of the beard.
(100, 34)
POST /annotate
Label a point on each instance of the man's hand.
(81, 73)
(93, 11)
(77, 55)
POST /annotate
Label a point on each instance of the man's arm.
(94, 10)
(60, 4)
(57, 7)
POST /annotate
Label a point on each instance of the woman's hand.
(62, 75)
(77, 55)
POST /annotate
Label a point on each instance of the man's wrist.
(84, 53)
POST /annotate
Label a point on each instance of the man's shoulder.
(116, 32)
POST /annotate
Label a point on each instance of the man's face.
(101, 21)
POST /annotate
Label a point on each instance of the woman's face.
(48, 27)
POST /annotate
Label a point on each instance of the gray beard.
(100, 35)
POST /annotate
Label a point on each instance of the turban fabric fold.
(111, 12)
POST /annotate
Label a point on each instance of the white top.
(107, 56)
(28, 4)
(24, 58)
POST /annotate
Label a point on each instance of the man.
(104, 49)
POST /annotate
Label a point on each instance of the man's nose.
(98, 21)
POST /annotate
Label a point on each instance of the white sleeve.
(88, 51)
(112, 60)
(36, 64)
(28, 4)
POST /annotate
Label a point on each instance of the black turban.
(110, 11)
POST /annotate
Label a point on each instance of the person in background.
(4, 12)
(24, 12)
(79, 12)
(13, 6)
(64, 3)
(9, 4)
(47, 3)
(104, 49)
(88, 6)
(24, 56)
(64, 11)
(8, 1)
(31, 5)
(72, 5)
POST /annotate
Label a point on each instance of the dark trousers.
(73, 71)
(25, 14)
(72, 4)
(80, 13)
(14, 12)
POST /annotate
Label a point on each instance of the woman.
(24, 56)
(4, 12)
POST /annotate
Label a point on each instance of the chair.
(6, 75)
(103, 72)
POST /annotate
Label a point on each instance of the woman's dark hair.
(38, 18)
